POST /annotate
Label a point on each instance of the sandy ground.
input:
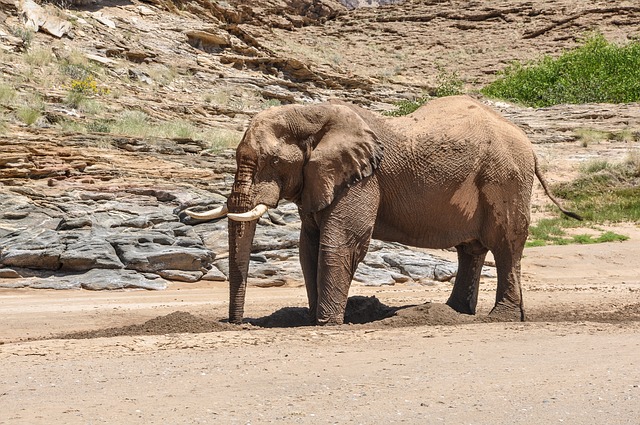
(576, 361)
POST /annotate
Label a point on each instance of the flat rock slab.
(97, 279)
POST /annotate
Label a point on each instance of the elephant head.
(305, 154)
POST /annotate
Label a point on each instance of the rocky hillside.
(114, 116)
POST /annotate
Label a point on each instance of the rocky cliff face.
(88, 203)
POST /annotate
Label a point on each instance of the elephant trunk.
(240, 240)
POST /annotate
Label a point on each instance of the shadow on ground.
(360, 310)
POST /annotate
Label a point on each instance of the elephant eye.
(275, 160)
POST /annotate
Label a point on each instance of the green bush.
(405, 107)
(449, 84)
(99, 126)
(7, 94)
(597, 71)
(74, 99)
(28, 114)
(26, 35)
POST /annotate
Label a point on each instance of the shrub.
(81, 90)
(7, 94)
(26, 35)
(39, 57)
(177, 129)
(269, 103)
(28, 115)
(449, 84)
(597, 71)
(74, 99)
(99, 126)
(76, 65)
(405, 107)
(220, 139)
(132, 123)
(606, 192)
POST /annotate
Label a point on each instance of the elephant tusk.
(221, 211)
(254, 214)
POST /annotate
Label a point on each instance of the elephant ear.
(345, 151)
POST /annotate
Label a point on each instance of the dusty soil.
(166, 356)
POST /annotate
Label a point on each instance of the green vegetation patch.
(7, 94)
(597, 71)
(588, 136)
(449, 84)
(552, 231)
(405, 107)
(604, 193)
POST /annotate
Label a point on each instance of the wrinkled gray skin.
(452, 174)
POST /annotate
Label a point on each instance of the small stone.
(9, 274)
(181, 275)
(214, 275)
(98, 279)
(74, 223)
(145, 11)
(15, 215)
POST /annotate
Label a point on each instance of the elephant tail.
(545, 186)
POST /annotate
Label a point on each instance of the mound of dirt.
(428, 314)
(176, 322)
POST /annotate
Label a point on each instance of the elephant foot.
(507, 313)
(325, 320)
(331, 321)
(461, 307)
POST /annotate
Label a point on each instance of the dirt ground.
(575, 361)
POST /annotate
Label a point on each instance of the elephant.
(454, 173)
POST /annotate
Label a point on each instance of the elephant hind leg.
(464, 296)
(509, 304)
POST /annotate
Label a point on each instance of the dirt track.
(575, 362)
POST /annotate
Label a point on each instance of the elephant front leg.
(345, 231)
(464, 296)
(309, 247)
(337, 267)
